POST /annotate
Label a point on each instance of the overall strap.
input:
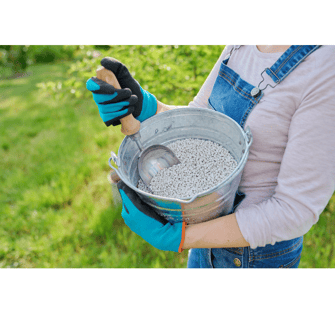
(234, 47)
(289, 60)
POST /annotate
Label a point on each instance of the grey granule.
(204, 164)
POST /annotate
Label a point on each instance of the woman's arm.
(162, 107)
(141, 219)
(222, 232)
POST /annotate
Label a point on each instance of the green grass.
(319, 242)
(56, 206)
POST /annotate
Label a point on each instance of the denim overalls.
(236, 98)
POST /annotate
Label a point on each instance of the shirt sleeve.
(201, 99)
(306, 179)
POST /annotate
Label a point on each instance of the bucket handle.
(249, 136)
(115, 159)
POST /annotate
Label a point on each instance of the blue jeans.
(285, 254)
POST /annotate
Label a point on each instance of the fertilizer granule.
(204, 164)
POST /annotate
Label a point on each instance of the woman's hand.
(145, 222)
(115, 104)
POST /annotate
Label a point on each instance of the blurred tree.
(102, 47)
(15, 57)
(50, 53)
(173, 73)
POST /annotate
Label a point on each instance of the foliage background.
(56, 206)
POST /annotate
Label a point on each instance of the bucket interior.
(178, 124)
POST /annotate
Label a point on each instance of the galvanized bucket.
(178, 124)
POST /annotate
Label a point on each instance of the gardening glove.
(115, 104)
(145, 222)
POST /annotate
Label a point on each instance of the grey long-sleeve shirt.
(290, 173)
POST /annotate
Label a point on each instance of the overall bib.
(236, 98)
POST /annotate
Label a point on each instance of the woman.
(285, 94)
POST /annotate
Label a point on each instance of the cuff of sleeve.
(255, 235)
(149, 107)
(180, 249)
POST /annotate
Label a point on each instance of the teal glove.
(115, 104)
(145, 222)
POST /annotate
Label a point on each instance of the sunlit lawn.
(56, 206)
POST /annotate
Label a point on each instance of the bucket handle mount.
(115, 159)
(249, 136)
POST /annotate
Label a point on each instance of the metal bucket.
(178, 124)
